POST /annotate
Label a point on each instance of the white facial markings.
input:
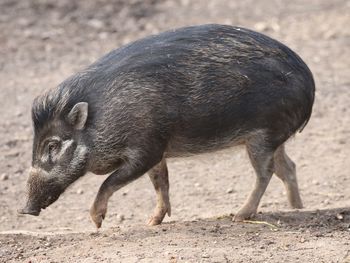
(37, 172)
(56, 154)
(44, 158)
(34, 170)
(79, 155)
(65, 146)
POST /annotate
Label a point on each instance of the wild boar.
(179, 93)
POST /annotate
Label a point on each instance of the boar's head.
(60, 154)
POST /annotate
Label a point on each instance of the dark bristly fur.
(182, 92)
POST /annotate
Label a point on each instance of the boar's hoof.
(153, 221)
(97, 217)
(159, 214)
(240, 217)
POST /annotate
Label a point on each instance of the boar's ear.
(78, 115)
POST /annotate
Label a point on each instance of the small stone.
(95, 23)
(342, 141)
(270, 242)
(261, 26)
(185, 2)
(120, 217)
(302, 240)
(329, 34)
(24, 22)
(229, 191)
(19, 114)
(339, 216)
(315, 182)
(326, 202)
(205, 255)
(275, 26)
(4, 177)
(80, 191)
(103, 35)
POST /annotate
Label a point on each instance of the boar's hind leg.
(159, 178)
(129, 171)
(285, 170)
(262, 160)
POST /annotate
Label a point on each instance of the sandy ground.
(44, 41)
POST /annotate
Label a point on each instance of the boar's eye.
(53, 147)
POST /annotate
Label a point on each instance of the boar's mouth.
(29, 210)
(35, 210)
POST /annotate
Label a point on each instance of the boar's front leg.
(159, 178)
(129, 170)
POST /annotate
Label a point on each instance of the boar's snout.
(30, 210)
(42, 192)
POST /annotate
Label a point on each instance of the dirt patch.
(289, 237)
(44, 41)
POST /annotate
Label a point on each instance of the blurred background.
(42, 42)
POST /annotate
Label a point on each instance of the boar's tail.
(311, 98)
(305, 123)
